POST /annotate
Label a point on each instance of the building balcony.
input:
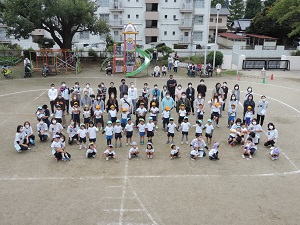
(184, 40)
(186, 8)
(151, 32)
(185, 24)
(116, 7)
(151, 15)
(116, 23)
(151, 1)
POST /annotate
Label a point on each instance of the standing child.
(58, 114)
(231, 115)
(153, 113)
(92, 131)
(142, 130)
(275, 153)
(91, 152)
(256, 128)
(55, 128)
(128, 130)
(140, 113)
(199, 127)
(150, 129)
(215, 113)
(98, 114)
(124, 117)
(133, 151)
(209, 130)
(244, 132)
(109, 153)
(113, 114)
(181, 114)
(109, 131)
(214, 152)
(76, 113)
(165, 117)
(82, 136)
(171, 130)
(248, 115)
(200, 112)
(185, 127)
(175, 152)
(42, 129)
(118, 133)
(86, 116)
(149, 151)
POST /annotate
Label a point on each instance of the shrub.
(92, 53)
(219, 58)
(295, 53)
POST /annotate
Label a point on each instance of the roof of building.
(223, 11)
(232, 36)
(261, 36)
(241, 24)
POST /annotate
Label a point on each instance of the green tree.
(269, 3)
(219, 58)
(236, 10)
(61, 18)
(165, 51)
(252, 8)
(215, 2)
(287, 12)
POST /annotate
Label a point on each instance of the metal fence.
(271, 64)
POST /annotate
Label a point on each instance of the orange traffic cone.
(239, 78)
(272, 77)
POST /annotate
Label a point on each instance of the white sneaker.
(218, 126)
(192, 159)
(272, 148)
(106, 158)
(126, 144)
(250, 156)
(182, 142)
(187, 142)
(243, 156)
(171, 158)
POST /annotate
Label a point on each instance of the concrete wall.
(258, 52)
(294, 61)
(227, 62)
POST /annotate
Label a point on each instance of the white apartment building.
(183, 22)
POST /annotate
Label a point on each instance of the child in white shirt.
(248, 115)
(165, 117)
(58, 114)
(199, 128)
(231, 115)
(42, 129)
(209, 130)
(153, 113)
(91, 152)
(113, 114)
(150, 129)
(175, 151)
(118, 133)
(185, 126)
(72, 131)
(128, 130)
(98, 114)
(55, 128)
(200, 112)
(247, 148)
(86, 116)
(109, 131)
(142, 130)
(274, 153)
(124, 117)
(171, 130)
(194, 154)
(92, 131)
(140, 113)
(181, 114)
(133, 151)
(82, 136)
(214, 152)
(149, 151)
(109, 153)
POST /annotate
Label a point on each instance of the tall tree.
(236, 10)
(287, 12)
(61, 18)
(252, 8)
(215, 2)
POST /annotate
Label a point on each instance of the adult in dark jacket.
(123, 88)
(112, 101)
(184, 100)
(249, 102)
(112, 89)
(190, 93)
(225, 91)
(171, 84)
(201, 88)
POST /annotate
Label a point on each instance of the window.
(198, 19)
(103, 3)
(84, 35)
(116, 33)
(211, 20)
(166, 16)
(116, 16)
(219, 20)
(165, 33)
(173, 33)
(166, 0)
(199, 3)
(174, 17)
(128, 16)
(137, 16)
(104, 17)
(174, 0)
(198, 36)
(186, 34)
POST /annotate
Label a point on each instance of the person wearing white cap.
(275, 153)
(109, 153)
(150, 128)
(58, 149)
(149, 151)
(118, 133)
(209, 130)
(194, 153)
(185, 127)
(109, 131)
(133, 151)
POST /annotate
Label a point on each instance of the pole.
(218, 7)
(206, 36)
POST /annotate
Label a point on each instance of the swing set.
(56, 59)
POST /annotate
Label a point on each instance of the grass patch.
(230, 72)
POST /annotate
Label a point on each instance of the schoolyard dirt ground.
(35, 189)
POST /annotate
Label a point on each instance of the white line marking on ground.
(114, 186)
(123, 210)
(39, 96)
(21, 92)
(107, 197)
(123, 193)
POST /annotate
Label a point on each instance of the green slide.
(143, 66)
